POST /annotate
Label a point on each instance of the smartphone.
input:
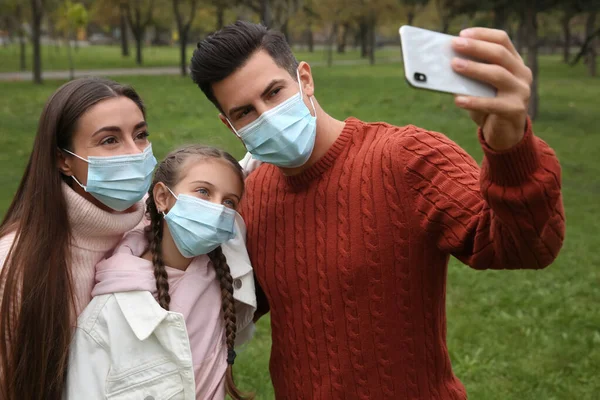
(427, 56)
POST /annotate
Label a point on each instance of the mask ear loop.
(176, 198)
(73, 176)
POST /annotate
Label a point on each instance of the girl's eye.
(108, 140)
(143, 135)
(229, 203)
(274, 92)
(203, 192)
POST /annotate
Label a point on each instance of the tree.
(183, 28)
(139, 21)
(14, 19)
(569, 11)
(73, 16)
(588, 49)
(274, 13)
(124, 29)
(445, 12)
(530, 14)
(412, 8)
(37, 13)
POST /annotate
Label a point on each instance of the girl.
(90, 166)
(167, 306)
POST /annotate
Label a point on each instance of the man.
(351, 224)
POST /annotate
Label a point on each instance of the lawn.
(103, 57)
(527, 335)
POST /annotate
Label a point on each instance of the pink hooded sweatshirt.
(195, 293)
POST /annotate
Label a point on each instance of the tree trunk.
(411, 16)
(330, 41)
(500, 17)
(124, 32)
(372, 37)
(521, 34)
(364, 33)
(445, 24)
(265, 13)
(70, 57)
(341, 45)
(139, 38)
(284, 29)
(183, 40)
(567, 36)
(21, 33)
(22, 51)
(36, 11)
(532, 57)
(220, 15)
(310, 39)
(590, 58)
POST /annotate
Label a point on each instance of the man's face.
(256, 87)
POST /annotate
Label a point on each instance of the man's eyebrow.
(269, 87)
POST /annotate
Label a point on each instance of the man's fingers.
(492, 105)
(492, 53)
(491, 35)
(492, 74)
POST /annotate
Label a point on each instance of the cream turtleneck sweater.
(95, 233)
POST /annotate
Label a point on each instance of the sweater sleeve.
(508, 214)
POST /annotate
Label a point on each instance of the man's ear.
(306, 79)
(63, 163)
(162, 197)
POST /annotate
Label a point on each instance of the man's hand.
(504, 117)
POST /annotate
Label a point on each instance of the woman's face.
(112, 127)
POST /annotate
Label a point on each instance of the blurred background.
(512, 334)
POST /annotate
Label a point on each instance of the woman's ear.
(162, 197)
(63, 163)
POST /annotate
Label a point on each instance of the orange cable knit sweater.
(352, 254)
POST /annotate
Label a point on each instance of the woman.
(90, 166)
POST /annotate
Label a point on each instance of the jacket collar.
(142, 312)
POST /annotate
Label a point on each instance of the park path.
(147, 71)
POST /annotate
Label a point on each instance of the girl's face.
(112, 127)
(209, 179)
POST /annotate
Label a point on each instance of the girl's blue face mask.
(283, 136)
(199, 226)
(121, 181)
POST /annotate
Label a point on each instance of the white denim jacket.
(126, 346)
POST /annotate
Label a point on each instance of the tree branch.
(584, 47)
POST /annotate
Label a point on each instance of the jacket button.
(237, 283)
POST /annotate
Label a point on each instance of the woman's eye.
(203, 192)
(143, 135)
(108, 140)
(274, 92)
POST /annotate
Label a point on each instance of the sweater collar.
(325, 162)
(95, 229)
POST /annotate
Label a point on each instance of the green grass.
(105, 57)
(512, 334)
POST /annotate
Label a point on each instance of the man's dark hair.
(225, 51)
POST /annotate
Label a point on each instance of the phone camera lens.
(419, 77)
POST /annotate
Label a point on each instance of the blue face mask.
(119, 181)
(283, 136)
(199, 226)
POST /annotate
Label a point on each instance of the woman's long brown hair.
(169, 173)
(37, 305)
